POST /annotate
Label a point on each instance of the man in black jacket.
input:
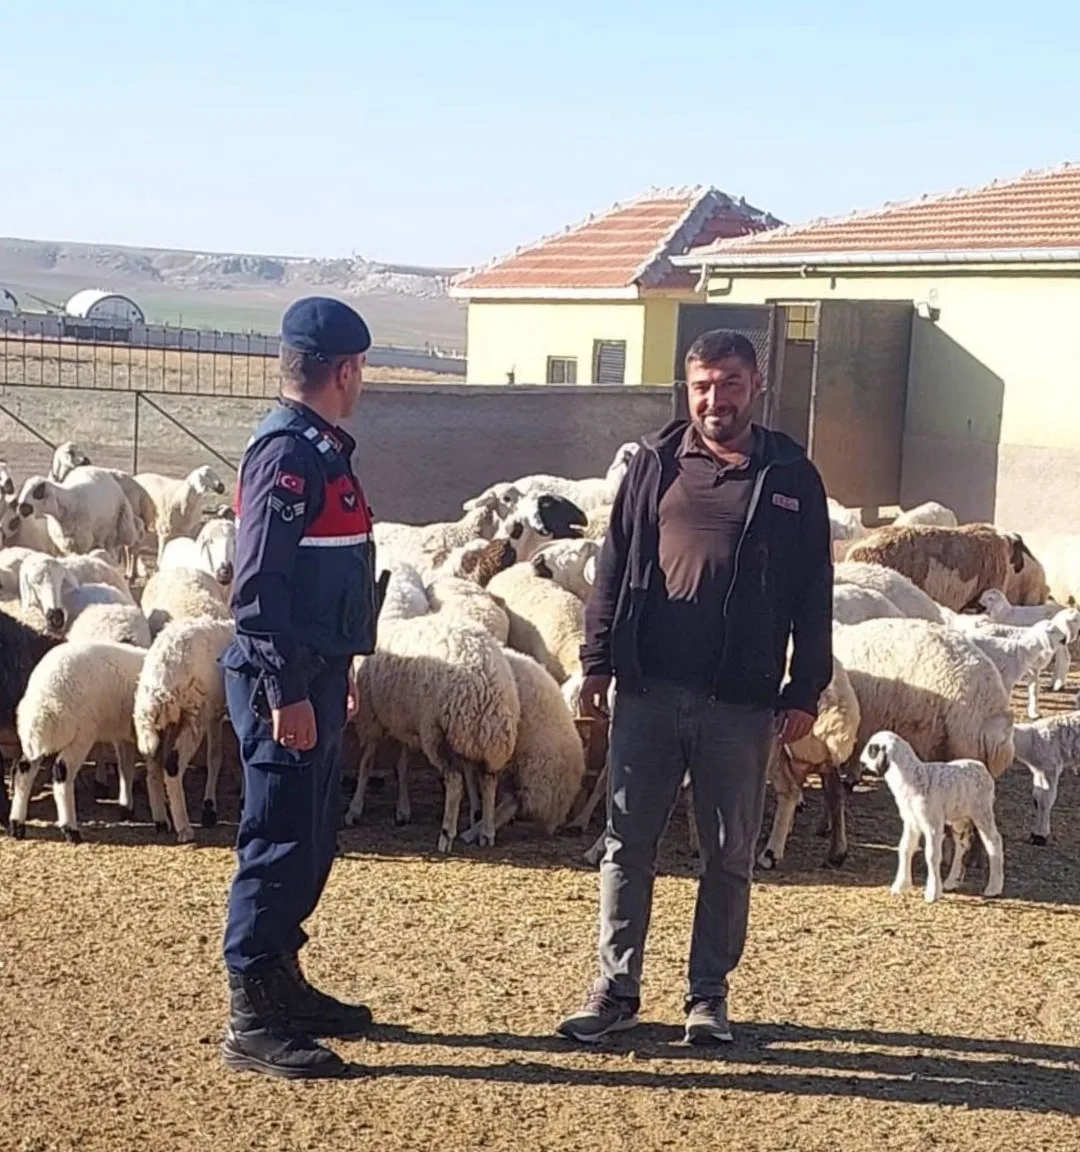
(717, 557)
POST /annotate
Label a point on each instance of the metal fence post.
(135, 444)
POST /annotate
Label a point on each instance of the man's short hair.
(304, 372)
(712, 347)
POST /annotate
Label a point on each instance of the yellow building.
(930, 350)
(601, 303)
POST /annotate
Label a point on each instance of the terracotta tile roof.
(628, 245)
(1037, 211)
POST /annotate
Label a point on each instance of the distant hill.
(404, 304)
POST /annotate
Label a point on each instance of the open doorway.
(797, 370)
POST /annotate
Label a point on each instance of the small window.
(801, 322)
(609, 362)
(562, 370)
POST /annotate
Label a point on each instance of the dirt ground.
(864, 1021)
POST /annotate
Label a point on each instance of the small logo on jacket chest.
(788, 503)
(349, 501)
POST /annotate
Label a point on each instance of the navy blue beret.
(322, 327)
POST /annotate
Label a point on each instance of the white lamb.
(67, 457)
(1001, 611)
(546, 622)
(853, 605)
(912, 601)
(180, 699)
(182, 594)
(548, 766)
(427, 545)
(929, 513)
(1047, 747)
(78, 695)
(213, 550)
(570, 563)
(178, 504)
(929, 796)
(87, 511)
(593, 492)
(1024, 654)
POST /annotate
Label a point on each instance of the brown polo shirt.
(702, 511)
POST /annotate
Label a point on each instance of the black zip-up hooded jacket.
(781, 585)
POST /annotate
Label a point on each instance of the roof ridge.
(658, 252)
(671, 192)
(891, 207)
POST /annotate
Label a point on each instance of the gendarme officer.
(305, 604)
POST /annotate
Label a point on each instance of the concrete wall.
(992, 424)
(423, 449)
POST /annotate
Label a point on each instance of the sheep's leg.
(472, 792)
(363, 769)
(67, 819)
(783, 818)
(101, 778)
(1044, 789)
(489, 783)
(175, 759)
(834, 807)
(581, 821)
(155, 791)
(403, 809)
(505, 811)
(991, 839)
(962, 835)
(22, 785)
(125, 766)
(454, 783)
(932, 851)
(1060, 668)
(1033, 697)
(213, 772)
(5, 804)
(905, 855)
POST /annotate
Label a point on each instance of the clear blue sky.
(449, 132)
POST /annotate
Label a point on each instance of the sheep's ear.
(1017, 555)
(516, 530)
(589, 571)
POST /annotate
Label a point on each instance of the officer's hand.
(594, 697)
(294, 726)
(352, 700)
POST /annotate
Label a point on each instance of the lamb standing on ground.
(1024, 654)
(1001, 611)
(932, 686)
(88, 511)
(959, 793)
(824, 750)
(953, 566)
(182, 594)
(78, 695)
(546, 622)
(178, 504)
(548, 765)
(1047, 747)
(180, 699)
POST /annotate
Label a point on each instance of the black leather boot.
(314, 1012)
(259, 1039)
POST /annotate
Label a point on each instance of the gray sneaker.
(707, 1022)
(602, 1015)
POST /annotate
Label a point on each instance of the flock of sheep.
(477, 664)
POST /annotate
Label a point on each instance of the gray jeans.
(657, 734)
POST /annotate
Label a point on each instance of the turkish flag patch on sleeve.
(290, 482)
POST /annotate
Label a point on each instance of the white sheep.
(180, 699)
(67, 457)
(824, 750)
(178, 504)
(7, 484)
(445, 687)
(845, 524)
(932, 686)
(1047, 747)
(182, 594)
(1001, 611)
(537, 520)
(929, 513)
(213, 550)
(593, 492)
(48, 585)
(546, 622)
(547, 768)
(477, 561)
(570, 563)
(929, 796)
(1024, 654)
(463, 598)
(27, 532)
(912, 601)
(853, 605)
(78, 695)
(87, 511)
(94, 568)
(427, 545)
